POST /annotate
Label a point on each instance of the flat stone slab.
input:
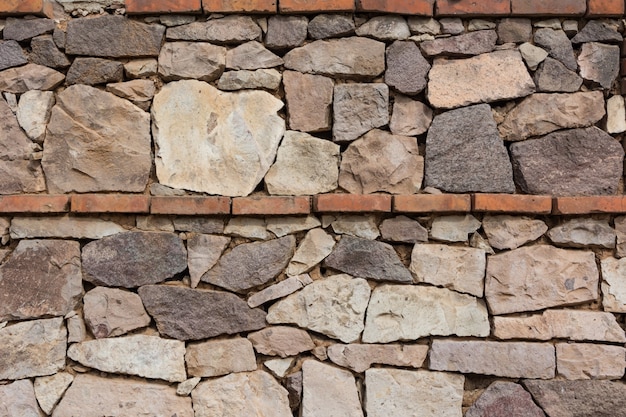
(113, 312)
(360, 357)
(195, 60)
(510, 232)
(589, 361)
(251, 56)
(220, 357)
(328, 391)
(50, 389)
(454, 228)
(25, 29)
(468, 44)
(225, 30)
(599, 63)
(203, 252)
(93, 71)
(583, 233)
(62, 227)
(403, 229)
(11, 55)
(503, 398)
(316, 245)
(18, 399)
(281, 341)
(279, 290)
(29, 77)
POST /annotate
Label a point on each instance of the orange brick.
(589, 205)
(239, 6)
(163, 6)
(473, 7)
(427, 203)
(271, 205)
(110, 203)
(416, 7)
(548, 7)
(190, 205)
(507, 203)
(314, 6)
(599, 8)
(40, 203)
(38, 7)
(352, 203)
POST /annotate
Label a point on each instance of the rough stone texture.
(249, 227)
(309, 99)
(119, 397)
(360, 357)
(615, 115)
(199, 224)
(33, 113)
(83, 7)
(251, 264)
(62, 227)
(505, 359)
(570, 162)
(398, 312)
(279, 367)
(268, 79)
(588, 361)
(293, 383)
(382, 162)
(451, 25)
(464, 153)
(199, 60)
(316, 245)
(582, 233)
(352, 57)
(41, 278)
(455, 228)
(368, 259)
(558, 46)
(407, 69)
(363, 226)
(287, 225)
(613, 286)
(409, 117)
(280, 290)
(305, 165)
(358, 108)
(399, 393)
(45, 52)
(11, 55)
(240, 131)
(184, 388)
(554, 77)
(29, 77)
(24, 29)
(325, 26)
(135, 90)
(133, 259)
(424, 25)
(385, 28)
(139, 68)
(328, 391)
(76, 329)
(599, 62)
(334, 306)
(533, 55)
(113, 312)
(286, 31)
(18, 399)
(505, 399)
(254, 394)
(535, 277)
(517, 30)
(598, 31)
(92, 71)
(281, 341)
(113, 36)
(496, 76)
(203, 252)
(468, 44)
(251, 56)
(50, 389)
(32, 348)
(457, 268)
(403, 229)
(510, 232)
(220, 357)
(225, 30)
(186, 314)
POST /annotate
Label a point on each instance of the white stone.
(248, 227)
(360, 357)
(203, 252)
(613, 285)
(184, 388)
(328, 391)
(50, 389)
(220, 357)
(454, 228)
(33, 113)
(509, 232)
(17, 399)
(279, 367)
(63, 227)
(615, 115)
(279, 290)
(577, 361)
(113, 312)
(533, 55)
(283, 226)
(364, 226)
(316, 245)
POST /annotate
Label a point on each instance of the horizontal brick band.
(18, 7)
(163, 6)
(190, 205)
(505, 203)
(424, 203)
(271, 205)
(315, 6)
(116, 203)
(40, 203)
(352, 203)
(589, 205)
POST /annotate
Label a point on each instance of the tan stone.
(409, 117)
(29, 77)
(510, 232)
(279, 290)
(281, 341)
(279, 367)
(50, 389)
(309, 98)
(615, 115)
(613, 285)
(268, 79)
(184, 388)
(18, 399)
(136, 90)
(283, 226)
(360, 357)
(359, 225)
(203, 252)
(328, 391)
(139, 68)
(582, 233)
(251, 56)
(62, 227)
(248, 227)
(33, 113)
(454, 228)
(113, 312)
(359, 108)
(588, 361)
(220, 357)
(316, 245)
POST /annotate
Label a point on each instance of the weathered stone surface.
(24, 29)
(398, 312)
(363, 226)
(283, 226)
(45, 52)
(280, 290)
(281, 341)
(248, 227)
(535, 277)
(76, 329)
(452, 25)
(113, 312)
(251, 264)
(469, 44)
(18, 399)
(600, 63)
(409, 117)
(589, 361)
(554, 77)
(334, 306)
(220, 357)
(558, 46)
(155, 223)
(139, 68)
(504, 398)
(496, 76)
(479, 161)
(424, 25)
(360, 357)
(304, 165)
(227, 30)
(203, 252)
(358, 108)
(613, 286)
(33, 113)
(11, 55)
(146, 356)
(403, 229)
(582, 233)
(32, 348)
(316, 245)
(406, 68)
(570, 162)
(309, 98)
(457, 268)
(325, 26)
(251, 56)
(328, 391)
(268, 79)
(184, 388)
(615, 115)
(352, 57)
(510, 232)
(50, 389)
(598, 31)
(285, 32)
(279, 367)
(135, 90)
(187, 314)
(92, 71)
(517, 30)
(199, 224)
(113, 36)
(385, 28)
(506, 359)
(82, 7)
(199, 60)
(293, 383)
(398, 393)
(118, 397)
(532, 55)
(62, 227)
(254, 394)
(29, 77)
(243, 135)
(455, 228)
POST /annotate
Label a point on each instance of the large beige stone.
(454, 228)
(268, 79)
(62, 227)
(288, 225)
(196, 60)
(316, 245)
(309, 98)
(203, 252)
(360, 357)
(18, 399)
(220, 357)
(613, 285)
(409, 117)
(254, 228)
(328, 391)
(225, 146)
(510, 232)
(135, 90)
(29, 77)
(589, 361)
(615, 115)
(33, 113)
(223, 30)
(279, 290)
(582, 233)
(113, 312)
(50, 389)
(281, 341)
(364, 226)
(251, 56)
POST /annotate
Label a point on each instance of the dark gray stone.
(185, 314)
(558, 46)
(92, 71)
(251, 264)
(369, 259)
(11, 55)
(293, 383)
(44, 51)
(504, 399)
(464, 153)
(597, 31)
(226, 30)
(554, 77)
(133, 259)
(516, 30)
(286, 31)
(325, 26)
(59, 37)
(468, 44)
(599, 63)
(407, 69)
(24, 29)
(569, 163)
(114, 37)
(403, 229)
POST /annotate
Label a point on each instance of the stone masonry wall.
(312, 208)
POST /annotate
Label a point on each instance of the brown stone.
(113, 312)
(504, 399)
(251, 56)
(220, 357)
(309, 98)
(359, 108)
(409, 117)
(286, 32)
(196, 60)
(92, 71)
(510, 232)
(45, 52)
(225, 30)
(25, 29)
(468, 44)
(360, 357)
(589, 361)
(281, 341)
(403, 229)
(29, 77)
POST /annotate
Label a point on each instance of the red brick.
(314, 6)
(507, 203)
(414, 7)
(599, 8)
(110, 203)
(40, 203)
(352, 203)
(163, 6)
(239, 6)
(271, 205)
(190, 205)
(589, 205)
(432, 203)
(548, 7)
(473, 7)
(38, 7)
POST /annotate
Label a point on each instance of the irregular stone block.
(359, 108)
(424, 25)
(280, 290)
(558, 46)
(517, 30)
(359, 358)
(249, 227)
(409, 117)
(199, 60)
(268, 79)
(615, 115)
(598, 31)
(29, 77)
(50, 389)
(25, 29)
(385, 28)
(589, 361)
(33, 113)
(279, 367)
(203, 252)
(62, 227)
(135, 90)
(455, 228)
(316, 245)
(505, 399)
(199, 224)
(44, 51)
(139, 68)
(582, 233)
(251, 56)
(403, 229)
(358, 225)
(553, 76)
(113, 312)
(325, 26)
(220, 357)
(328, 391)
(600, 63)
(225, 30)
(18, 399)
(288, 225)
(309, 99)
(92, 71)
(281, 341)
(613, 286)
(468, 44)
(11, 55)
(406, 68)
(286, 32)
(510, 232)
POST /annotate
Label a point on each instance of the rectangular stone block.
(34, 203)
(589, 361)
(163, 6)
(110, 203)
(598, 8)
(315, 6)
(271, 205)
(426, 203)
(413, 7)
(548, 8)
(352, 203)
(239, 6)
(190, 205)
(473, 8)
(503, 203)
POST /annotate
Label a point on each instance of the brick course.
(271, 205)
(163, 6)
(239, 6)
(413, 7)
(473, 7)
(110, 203)
(352, 203)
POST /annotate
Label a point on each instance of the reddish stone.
(239, 6)
(163, 6)
(352, 203)
(473, 7)
(34, 203)
(413, 7)
(548, 8)
(502, 203)
(598, 8)
(271, 205)
(315, 6)
(110, 203)
(38, 7)
(190, 205)
(427, 203)
(505, 399)
(589, 205)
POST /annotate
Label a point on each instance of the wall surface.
(312, 208)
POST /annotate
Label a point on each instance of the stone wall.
(312, 208)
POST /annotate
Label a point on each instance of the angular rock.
(199, 60)
(155, 224)
(407, 69)
(504, 398)
(29, 77)
(184, 388)
(249, 227)
(18, 399)
(480, 24)
(536, 277)
(304, 165)
(496, 76)
(25, 29)
(385, 28)
(251, 56)
(325, 26)
(225, 30)
(598, 31)
(360, 357)
(83, 7)
(268, 79)
(135, 90)
(613, 286)
(76, 329)
(313, 249)
(455, 228)
(589, 361)
(139, 68)
(553, 76)
(582, 233)
(600, 63)
(240, 131)
(251, 264)
(328, 391)
(469, 44)
(220, 357)
(113, 312)
(203, 252)
(293, 383)
(62, 227)
(199, 224)
(424, 25)
(570, 162)
(532, 55)
(452, 25)
(359, 108)
(358, 225)
(558, 46)
(309, 99)
(11, 55)
(186, 314)
(403, 229)
(286, 32)
(280, 290)
(279, 367)
(45, 52)
(281, 341)
(113, 36)
(334, 306)
(615, 115)
(516, 30)
(283, 226)
(510, 232)
(50, 389)
(33, 113)
(92, 71)
(410, 117)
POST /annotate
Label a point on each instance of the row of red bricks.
(302, 205)
(590, 8)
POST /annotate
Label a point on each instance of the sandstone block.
(280, 290)
(251, 56)
(599, 63)
(409, 117)
(62, 227)
(313, 249)
(50, 389)
(589, 361)
(196, 60)
(615, 115)
(454, 228)
(359, 108)
(113, 312)
(510, 232)
(18, 399)
(135, 90)
(613, 288)
(309, 98)
(288, 225)
(220, 357)
(281, 341)
(360, 357)
(328, 391)
(139, 68)
(385, 28)
(533, 55)
(225, 30)
(407, 70)
(29, 77)
(517, 30)
(358, 225)
(203, 252)
(506, 399)
(468, 44)
(268, 79)
(33, 113)
(582, 233)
